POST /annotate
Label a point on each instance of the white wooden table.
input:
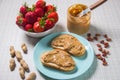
(105, 19)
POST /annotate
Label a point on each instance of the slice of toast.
(68, 43)
(62, 42)
(58, 59)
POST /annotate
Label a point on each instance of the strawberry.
(54, 16)
(40, 4)
(38, 19)
(23, 10)
(29, 27)
(21, 21)
(39, 12)
(39, 25)
(17, 20)
(49, 24)
(50, 8)
(31, 17)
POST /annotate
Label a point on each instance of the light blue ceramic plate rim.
(83, 63)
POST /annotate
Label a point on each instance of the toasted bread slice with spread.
(58, 59)
(62, 42)
(68, 43)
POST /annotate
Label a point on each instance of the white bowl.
(40, 34)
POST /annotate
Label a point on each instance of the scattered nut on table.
(22, 72)
(31, 76)
(12, 51)
(24, 65)
(12, 64)
(18, 55)
(102, 45)
(24, 48)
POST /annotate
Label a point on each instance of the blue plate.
(83, 63)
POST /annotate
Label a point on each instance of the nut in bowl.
(38, 20)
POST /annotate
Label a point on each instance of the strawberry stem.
(20, 20)
(30, 30)
(42, 22)
(51, 19)
(33, 7)
(25, 4)
(20, 14)
(55, 7)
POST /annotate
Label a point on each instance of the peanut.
(106, 44)
(22, 72)
(108, 39)
(12, 51)
(104, 62)
(99, 56)
(95, 38)
(90, 39)
(100, 49)
(24, 47)
(12, 64)
(97, 34)
(102, 41)
(31, 76)
(98, 45)
(24, 65)
(105, 36)
(88, 34)
(18, 55)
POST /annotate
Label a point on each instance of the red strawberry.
(40, 4)
(17, 20)
(50, 8)
(31, 17)
(21, 21)
(38, 19)
(49, 24)
(29, 28)
(54, 16)
(38, 27)
(39, 12)
(23, 10)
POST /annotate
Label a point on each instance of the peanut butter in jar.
(75, 23)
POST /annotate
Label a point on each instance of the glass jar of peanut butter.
(78, 24)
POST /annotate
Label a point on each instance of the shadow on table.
(84, 76)
(95, 29)
(33, 41)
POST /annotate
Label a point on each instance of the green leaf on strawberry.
(42, 22)
(33, 8)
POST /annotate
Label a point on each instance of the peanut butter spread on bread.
(58, 59)
(68, 43)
